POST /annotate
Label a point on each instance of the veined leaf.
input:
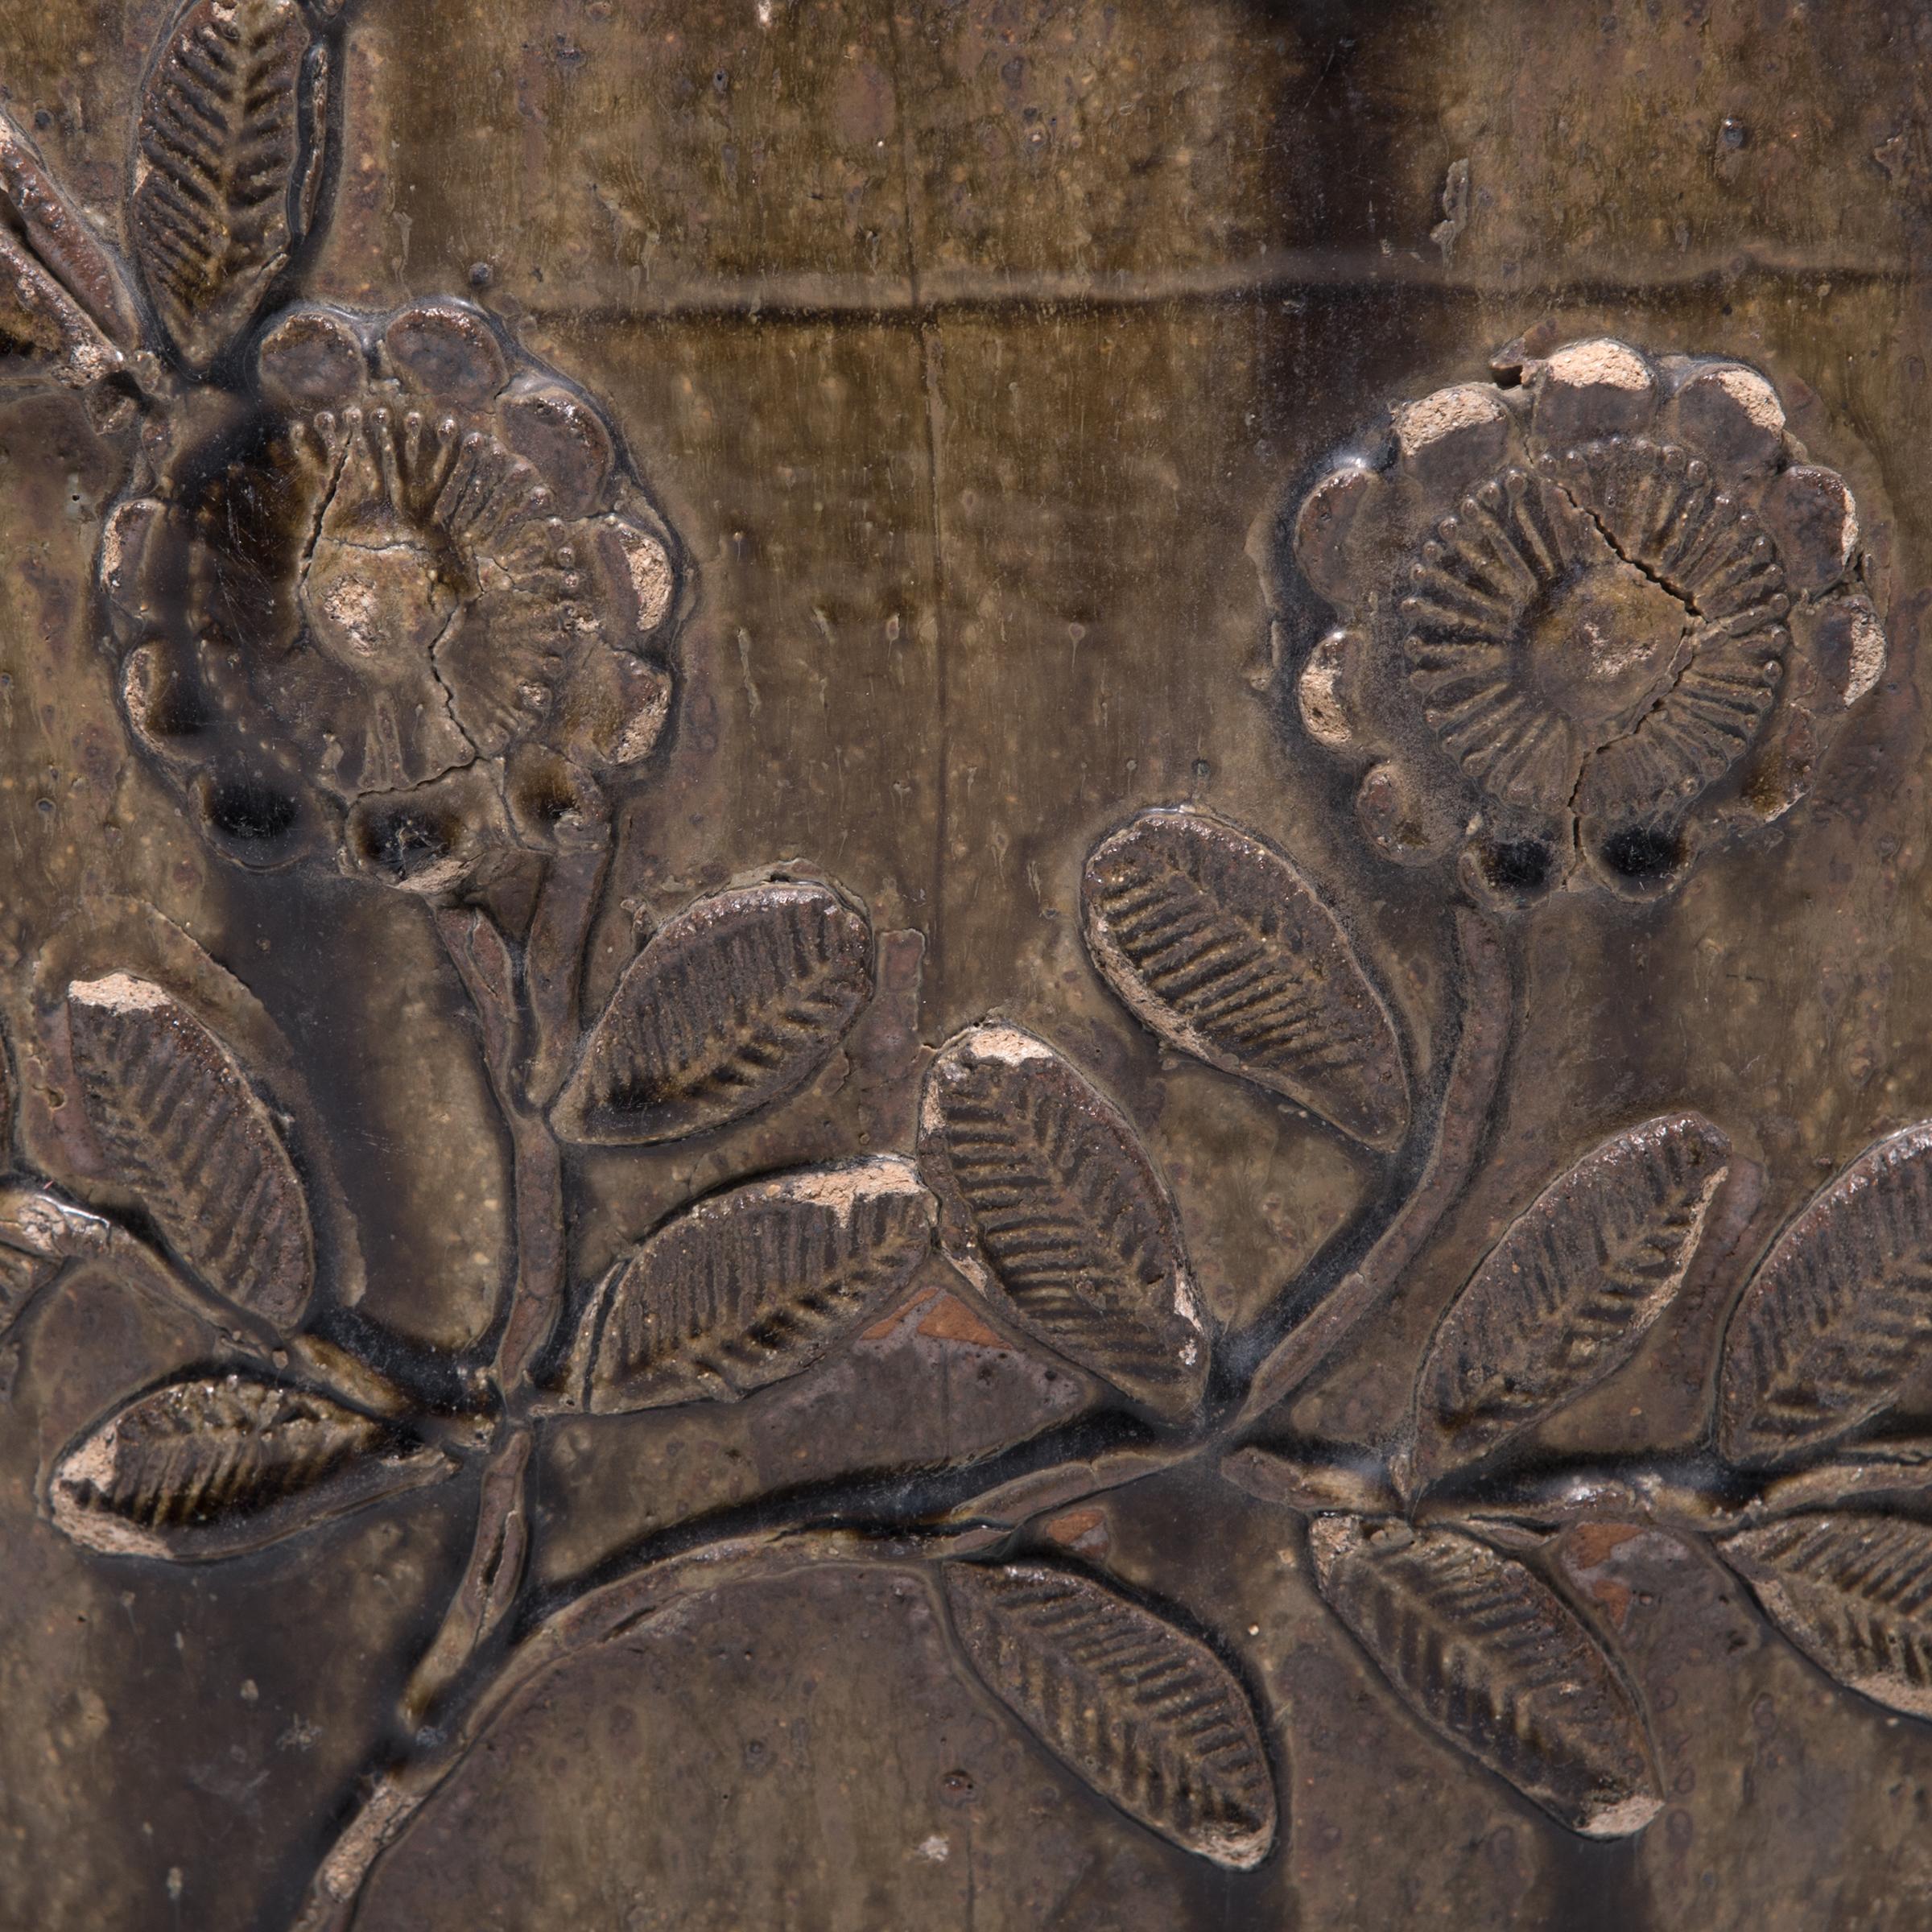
(1147, 1715)
(44, 336)
(1221, 946)
(734, 1003)
(210, 1466)
(1838, 1315)
(221, 166)
(752, 1286)
(1054, 1211)
(1489, 1656)
(62, 239)
(1565, 1297)
(173, 1110)
(1854, 1592)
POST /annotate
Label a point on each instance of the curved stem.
(721, 1553)
(495, 1566)
(1694, 1493)
(392, 1375)
(608, 1612)
(1313, 1480)
(1833, 1484)
(974, 1523)
(553, 964)
(156, 1279)
(538, 1297)
(488, 975)
(341, 1371)
(1009, 1506)
(1475, 1069)
(483, 963)
(491, 1579)
(64, 1237)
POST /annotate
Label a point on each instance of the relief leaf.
(1219, 944)
(62, 239)
(1056, 1213)
(174, 1112)
(751, 1286)
(1566, 1297)
(735, 1003)
(1488, 1655)
(1838, 1315)
(1854, 1592)
(210, 1466)
(220, 167)
(44, 336)
(1147, 1715)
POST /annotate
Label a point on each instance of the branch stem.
(1693, 1493)
(483, 963)
(553, 964)
(494, 1571)
(997, 1512)
(491, 1579)
(612, 1610)
(1475, 1069)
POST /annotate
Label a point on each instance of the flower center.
(377, 611)
(1599, 644)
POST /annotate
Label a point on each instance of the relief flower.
(400, 607)
(1586, 609)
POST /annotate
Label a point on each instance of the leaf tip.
(116, 993)
(1330, 1538)
(1623, 1816)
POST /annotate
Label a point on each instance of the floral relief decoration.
(406, 604)
(1588, 613)
(385, 595)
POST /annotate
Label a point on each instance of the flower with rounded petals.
(405, 606)
(1583, 608)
